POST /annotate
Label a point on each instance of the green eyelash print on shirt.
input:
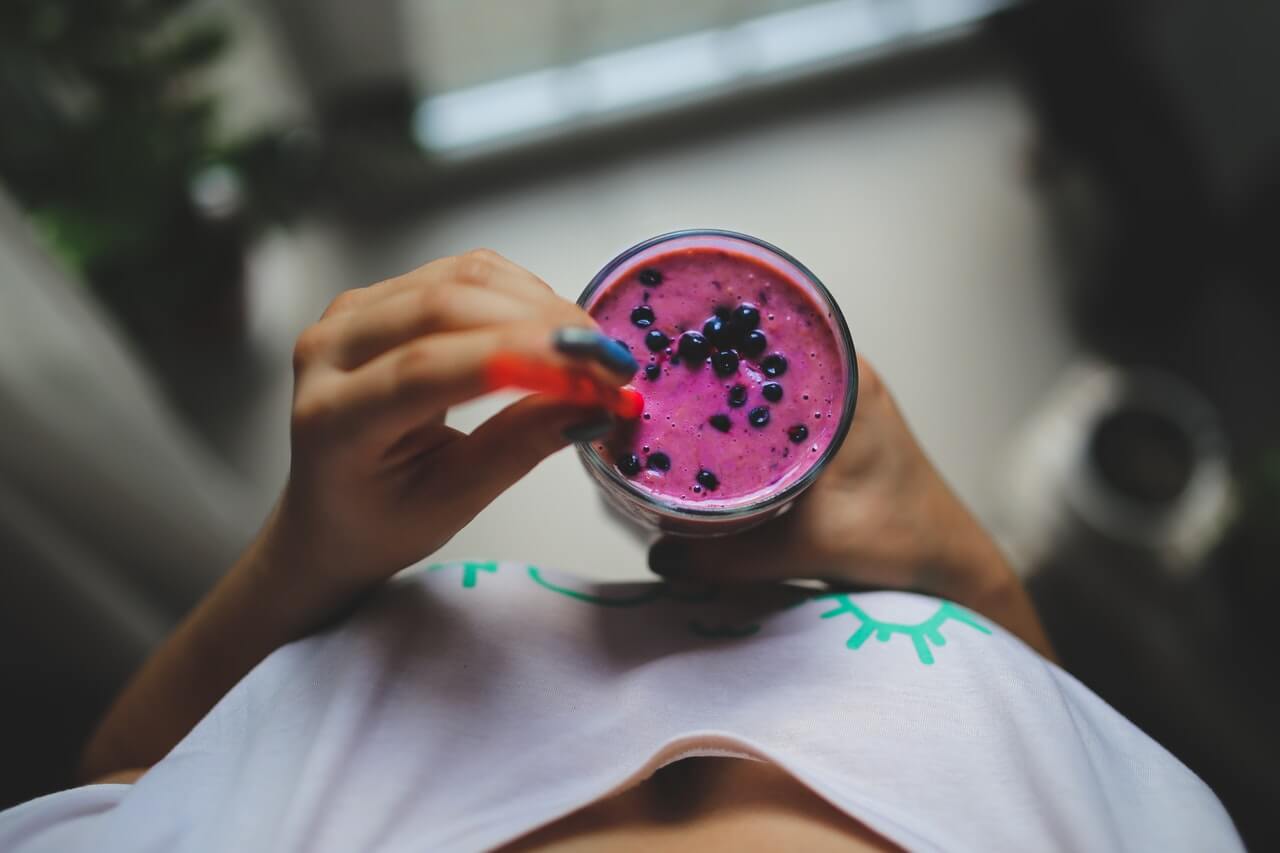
(921, 634)
(469, 570)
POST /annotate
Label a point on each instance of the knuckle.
(485, 254)
(311, 411)
(478, 265)
(309, 345)
(344, 301)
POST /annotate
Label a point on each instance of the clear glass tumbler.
(672, 516)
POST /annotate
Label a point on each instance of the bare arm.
(376, 481)
(262, 603)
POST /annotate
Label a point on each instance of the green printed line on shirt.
(598, 600)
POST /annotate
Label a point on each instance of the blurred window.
(494, 73)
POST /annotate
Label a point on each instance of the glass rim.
(593, 459)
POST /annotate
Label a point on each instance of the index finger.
(397, 391)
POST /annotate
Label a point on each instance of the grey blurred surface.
(911, 205)
(114, 516)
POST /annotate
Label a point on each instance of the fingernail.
(588, 430)
(578, 342)
(615, 356)
(669, 558)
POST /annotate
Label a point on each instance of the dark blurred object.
(1160, 153)
(1161, 115)
(1247, 566)
(110, 145)
(1130, 459)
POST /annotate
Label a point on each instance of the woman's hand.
(377, 480)
(880, 515)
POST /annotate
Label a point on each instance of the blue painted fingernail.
(589, 430)
(615, 356)
(577, 342)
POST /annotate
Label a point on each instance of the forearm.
(973, 572)
(267, 599)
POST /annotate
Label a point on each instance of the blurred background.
(1054, 225)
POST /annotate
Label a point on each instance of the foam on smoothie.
(688, 404)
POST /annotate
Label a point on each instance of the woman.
(308, 705)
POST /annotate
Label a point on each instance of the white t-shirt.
(470, 703)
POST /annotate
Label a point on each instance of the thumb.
(773, 551)
(507, 446)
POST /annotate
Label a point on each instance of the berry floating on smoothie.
(745, 318)
(774, 365)
(725, 362)
(754, 343)
(629, 464)
(656, 341)
(694, 347)
(718, 332)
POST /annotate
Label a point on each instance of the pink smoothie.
(715, 434)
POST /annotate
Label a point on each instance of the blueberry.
(659, 461)
(754, 343)
(707, 479)
(720, 422)
(723, 312)
(759, 416)
(718, 332)
(725, 362)
(642, 316)
(772, 391)
(656, 341)
(798, 433)
(652, 372)
(746, 317)
(694, 347)
(629, 464)
(773, 365)
(650, 277)
(738, 396)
